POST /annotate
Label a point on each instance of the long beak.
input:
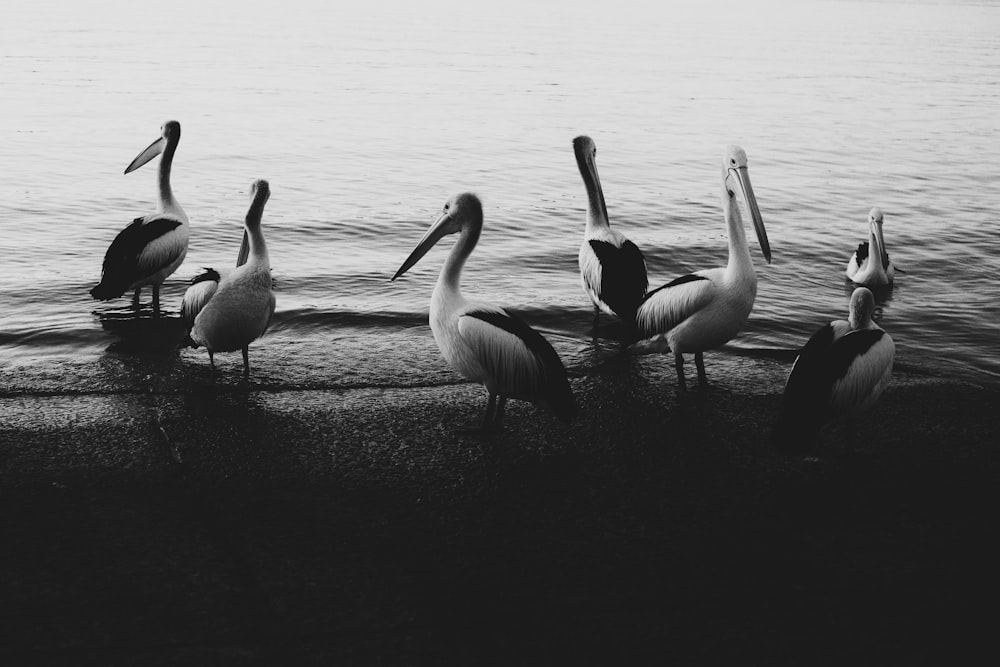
(151, 151)
(437, 231)
(883, 255)
(758, 222)
(241, 259)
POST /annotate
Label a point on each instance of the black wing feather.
(689, 278)
(821, 363)
(206, 275)
(623, 276)
(558, 394)
(862, 252)
(807, 392)
(850, 347)
(121, 261)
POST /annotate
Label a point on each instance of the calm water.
(366, 119)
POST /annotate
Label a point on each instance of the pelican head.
(462, 213)
(875, 226)
(862, 308)
(734, 171)
(170, 134)
(586, 151)
(260, 192)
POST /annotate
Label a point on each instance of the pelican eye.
(732, 161)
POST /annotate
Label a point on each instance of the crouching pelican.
(840, 372)
(612, 268)
(707, 308)
(485, 343)
(153, 246)
(227, 313)
(862, 269)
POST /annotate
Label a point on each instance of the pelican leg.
(246, 362)
(211, 359)
(699, 362)
(679, 364)
(135, 298)
(501, 404)
(597, 316)
(490, 410)
(156, 300)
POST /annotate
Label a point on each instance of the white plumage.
(840, 373)
(707, 308)
(228, 312)
(869, 265)
(483, 342)
(153, 246)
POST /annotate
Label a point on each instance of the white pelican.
(840, 372)
(153, 246)
(705, 309)
(485, 343)
(229, 312)
(203, 286)
(612, 268)
(860, 268)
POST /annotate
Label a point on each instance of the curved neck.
(739, 250)
(451, 272)
(167, 201)
(597, 209)
(254, 236)
(258, 249)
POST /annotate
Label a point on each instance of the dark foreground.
(320, 527)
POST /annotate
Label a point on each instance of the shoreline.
(362, 526)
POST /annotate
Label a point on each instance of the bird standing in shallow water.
(870, 265)
(229, 312)
(483, 342)
(841, 372)
(153, 246)
(612, 268)
(707, 308)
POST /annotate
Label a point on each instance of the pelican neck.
(167, 201)
(739, 249)
(597, 208)
(451, 273)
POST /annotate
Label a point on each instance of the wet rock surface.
(228, 524)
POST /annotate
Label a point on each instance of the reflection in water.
(143, 334)
(385, 153)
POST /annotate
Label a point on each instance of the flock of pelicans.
(841, 370)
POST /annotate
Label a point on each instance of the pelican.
(228, 312)
(203, 286)
(612, 268)
(707, 308)
(840, 372)
(860, 268)
(154, 245)
(483, 342)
